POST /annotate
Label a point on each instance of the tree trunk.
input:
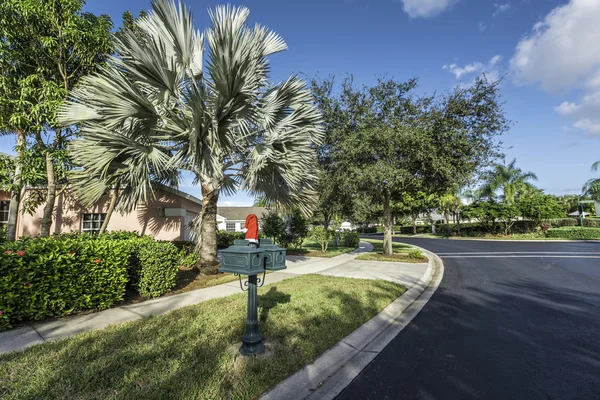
(111, 207)
(447, 217)
(414, 224)
(387, 226)
(207, 242)
(15, 196)
(50, 197)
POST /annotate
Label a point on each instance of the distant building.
(232, 219)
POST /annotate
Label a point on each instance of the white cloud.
(482, 26)
(500, 8)
(489, 69)
(466, 70)
(561, 54)
(425, 8)
(566, 108)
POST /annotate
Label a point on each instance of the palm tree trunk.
(111, 207)
(50, 197)
(207, 242)
(387, 225)
(15, 196)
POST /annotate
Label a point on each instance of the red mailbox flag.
(252, 228)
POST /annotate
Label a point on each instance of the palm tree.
(165, 104)
(592, 187)
(510, 179)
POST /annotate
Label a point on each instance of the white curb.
(329, 374)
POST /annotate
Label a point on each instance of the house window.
(230, 226)
(91, 223)
(4, 212)
(242, 225)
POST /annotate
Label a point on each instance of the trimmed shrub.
(157, 265)
(574, 233)
(120, 235)
(53, 277)
(350, 239)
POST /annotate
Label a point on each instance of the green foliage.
(573, 233)
(416, 254)
(385, 142)
(225, 239)
(350, 239)
(322, 236)
(541, 207)
(47, 277)
(296, 229)
(513, 182)
(272, 226)
(188, 259)
(158, 264)
(120, 235)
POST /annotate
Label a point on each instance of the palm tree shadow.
(270, 300)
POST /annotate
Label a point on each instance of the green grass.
(311, 248)
(400, 253)
(190, 353)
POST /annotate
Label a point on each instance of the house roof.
(240, 213)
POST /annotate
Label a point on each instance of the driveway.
(510, 320)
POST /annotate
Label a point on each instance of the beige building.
(165, 218)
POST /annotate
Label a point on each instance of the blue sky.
(548, 50)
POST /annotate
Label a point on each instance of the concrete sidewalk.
(343, 265)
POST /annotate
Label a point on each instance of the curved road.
(510, 320)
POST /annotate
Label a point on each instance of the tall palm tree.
(165, 103)
(510, 179)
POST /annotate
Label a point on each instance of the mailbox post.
(251, 258)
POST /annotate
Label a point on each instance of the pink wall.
(147, 219)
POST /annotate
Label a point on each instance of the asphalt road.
(510, 320)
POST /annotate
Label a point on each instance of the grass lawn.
(190, 353)
(400, 253)
(311, 248)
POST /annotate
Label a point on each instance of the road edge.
(337, 367)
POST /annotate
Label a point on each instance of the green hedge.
(574, 233)
(47, 277)
(157, 264)
(57, 276)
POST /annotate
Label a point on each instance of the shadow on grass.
(188, 354)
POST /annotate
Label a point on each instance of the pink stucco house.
(165, 217)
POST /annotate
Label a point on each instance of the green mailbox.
(242, 259)
(274, 255)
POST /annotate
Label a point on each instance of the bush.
(157, 265)
(350, 239)
(416, 254)
(574, 233)
(53, 277)
(225, 239)
(322, 236)
(188, 260)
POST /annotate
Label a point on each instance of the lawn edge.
(333, 370)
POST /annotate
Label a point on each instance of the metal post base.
(252, 339)
(252, 349)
